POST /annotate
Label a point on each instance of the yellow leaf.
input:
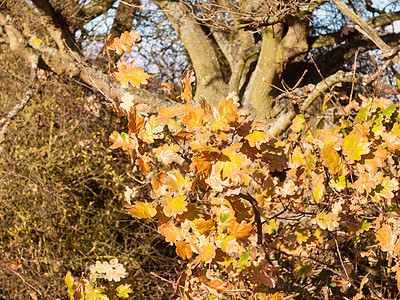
(298, 123)
(187, 79)
(207, 251)
(175, 206)
(318, 187)
(355, 145)
(170, 232)
(257, 138)
(123, 290)
(142, 210)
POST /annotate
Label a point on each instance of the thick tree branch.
(63, 63)
(201, 49)
(332, 38)
(364, 28)
(285, 120)
(55, 24)
(95, 8)
(331, 61)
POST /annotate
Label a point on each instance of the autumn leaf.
(327, 221)
(127, 102)
(355, 145)
(124, 43)
(168, 88)
(204, 226)
(318, 186)
(339, 183)
(257, 138)
(227, 243)
(123, 290)
(175, 206)
(387, 238)
(170, 231)
(298, 123)
(206, 250)
(124, 141)
(142, 210)
(238, 230)
(128, 73)
(167, 153)
(364, 183)
(332, 159)
(187, 79)
(183, 249)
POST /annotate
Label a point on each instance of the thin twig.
(27, 283)
(5, 122)
(354, 74)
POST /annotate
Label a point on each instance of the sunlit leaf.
(183, 249)
(128, 73)
(355, 145)
(142, 210)
(175, 206)
(124, 43)
(387, 238)
(123, 290)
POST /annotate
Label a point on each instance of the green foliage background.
(61, 189)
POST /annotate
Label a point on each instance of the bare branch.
(284, 120)
(5, 122)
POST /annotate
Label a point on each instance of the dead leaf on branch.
(124, 43)
(129, 73)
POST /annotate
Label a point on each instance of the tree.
(257, 49)
(261, 51)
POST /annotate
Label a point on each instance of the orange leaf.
(257, 138)
(204, 226)
(170, 232)
(364, 183)
(123, 140)
(183, 249)
(318, 187)
(168, 88)
(187, 79)
(129, 73)
(207, 251)
(238, 230)
(167, 153)
(332, 159)
(298, 123)
(124, 42)
(386, 238)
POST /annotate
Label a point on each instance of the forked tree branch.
(285, 120)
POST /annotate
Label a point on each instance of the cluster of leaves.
(90, 289)
(256, 215)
